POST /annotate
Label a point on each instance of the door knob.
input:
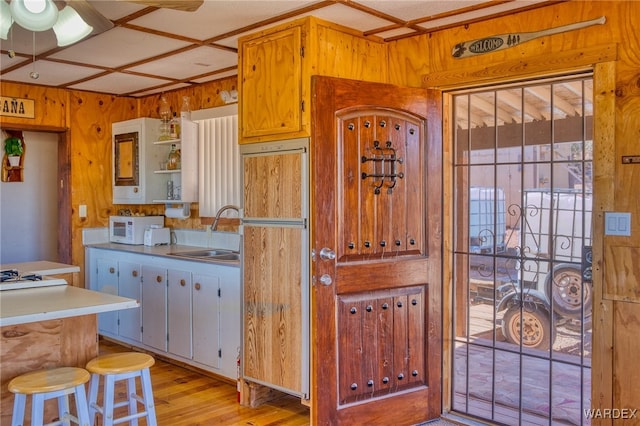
(326, 279)
(327, 254)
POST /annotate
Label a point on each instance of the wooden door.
(376, 213)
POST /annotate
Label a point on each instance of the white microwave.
(130, 229)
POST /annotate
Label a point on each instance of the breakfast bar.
(46, 323)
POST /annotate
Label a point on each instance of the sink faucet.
(214, 226)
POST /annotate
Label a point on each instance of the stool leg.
(147, 395)
(63, 410)
(37, 409)
(133, 403)
(82, 406)
(109, 395)
(93, 397)
(19, 403)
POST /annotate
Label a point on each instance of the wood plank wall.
(615, 48)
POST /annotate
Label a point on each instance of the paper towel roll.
(177, 212)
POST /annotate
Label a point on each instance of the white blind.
(219, 165)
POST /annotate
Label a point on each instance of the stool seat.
(118, 363)
(43, 385)
(112, 368)
(49, 380)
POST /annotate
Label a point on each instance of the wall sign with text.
(17, 107)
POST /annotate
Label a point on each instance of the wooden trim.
(604, 87)
(538, 66)
(65, 237)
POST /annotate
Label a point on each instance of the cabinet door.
(271, 84)
(154, 307)
(230, 321)
(179, 312)
(107, 282)
(130, 285)
(206, 319)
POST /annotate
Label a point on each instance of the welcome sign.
(17, 107)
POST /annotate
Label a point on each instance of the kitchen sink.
(214, 255)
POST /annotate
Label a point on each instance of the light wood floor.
(188, 398)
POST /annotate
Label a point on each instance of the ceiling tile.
(51, 73)
(119, 46)
(205, 22)
(119, 83)
(192, 62)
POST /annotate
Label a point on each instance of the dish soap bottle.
(173, 162)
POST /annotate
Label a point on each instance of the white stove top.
(12, 280)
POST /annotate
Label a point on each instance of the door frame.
(65, 241)
(603, 69)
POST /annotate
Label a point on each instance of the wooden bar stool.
(47, 384)
(121, 366)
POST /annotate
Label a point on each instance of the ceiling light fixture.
(42, 15)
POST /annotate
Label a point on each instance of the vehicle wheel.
(567, 292)
(536, 329)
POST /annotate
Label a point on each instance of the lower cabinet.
(189, 311)
(154, 307)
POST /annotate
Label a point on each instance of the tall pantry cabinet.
(274, 78)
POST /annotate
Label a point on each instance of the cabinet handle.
(112, 270)
(134, 273)
(197, 286)
(183, 282)
(159, 278)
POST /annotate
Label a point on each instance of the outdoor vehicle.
(553, 268)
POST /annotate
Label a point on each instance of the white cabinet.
(154, 307)
(130, 285)
(137, 175)
(190, 311)
(106, 281)
(121, 278)
(185, 179)
(179, 312)
(206, 319)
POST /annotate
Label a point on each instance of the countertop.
(163, 250)
(42, 267)
(58, 301)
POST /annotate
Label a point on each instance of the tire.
(567, 292)
(536, 330)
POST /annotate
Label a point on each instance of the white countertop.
(54, 302)
(42, 267)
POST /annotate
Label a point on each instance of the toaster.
(155, 236)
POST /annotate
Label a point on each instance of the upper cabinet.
(275, 72)
(271, 83)
(138, 173)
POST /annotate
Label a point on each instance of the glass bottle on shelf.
(174, 127)
(165, 116)
(185, 109)
(173, 162)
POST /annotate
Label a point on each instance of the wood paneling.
(272, 306)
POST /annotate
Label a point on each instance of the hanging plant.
(13, 146)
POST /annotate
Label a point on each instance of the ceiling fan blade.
(183, 5)
(91, 16)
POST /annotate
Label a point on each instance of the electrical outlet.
(82, 210)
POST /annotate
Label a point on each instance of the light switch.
(616, 223)
(82, 210)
